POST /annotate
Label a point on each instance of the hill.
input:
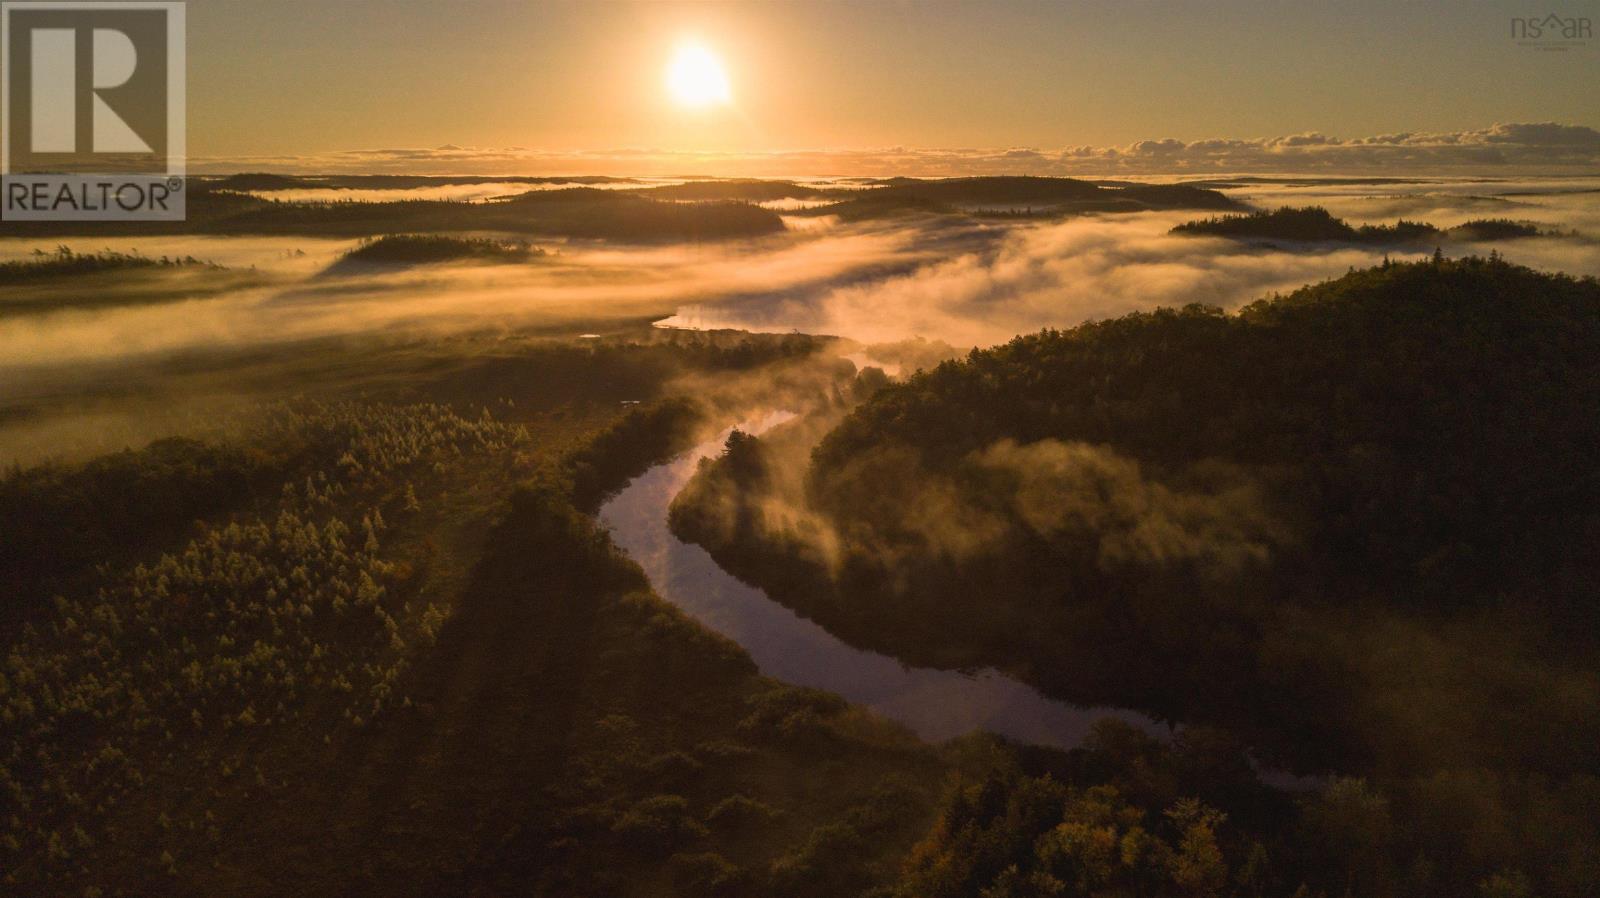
(1308, 224)
(751, 191)
(407, 250)
(1314, 224)
(1497, 229)
(46, 282)
(899, 196)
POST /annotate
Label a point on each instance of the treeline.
(1499, 229)
(746, 190)
(66, 263)
(1354, 526)
(1054, 196)
(1127, 815)
(428, 248)
(1041, 190)
(395, 251)
(58, 520)
(625, 449)
(1315, 224)
(648, 433)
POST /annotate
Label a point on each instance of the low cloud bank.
(1056, 275)
(1533, 147)
(1094, 267)
(577, 285)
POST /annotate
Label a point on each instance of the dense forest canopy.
(371, 646)
(586, 212)
(735, 189)
(1434, 413)
(404, 250)
(1056, 196)
(1025, 189)
(1498, 229)
(1316, 224)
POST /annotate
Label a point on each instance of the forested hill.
(579, 212)
(1027, 189)
(1314, 224)
(1436, 419)
(1188, 511)
(1061, 196)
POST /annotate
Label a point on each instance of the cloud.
(983, 287)
(1505, 148)
(1518, 147)
(1019, 280)
(1544, 134)
(580, 283)
(1213, 514)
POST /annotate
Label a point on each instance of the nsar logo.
(1552, 32)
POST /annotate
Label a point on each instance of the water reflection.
(936, 704)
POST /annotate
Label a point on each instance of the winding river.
(936, 704)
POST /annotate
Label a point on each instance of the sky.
(299, 78)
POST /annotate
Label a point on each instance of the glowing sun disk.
(695, 78)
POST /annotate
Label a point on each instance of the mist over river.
(936, 704)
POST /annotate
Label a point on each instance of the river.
(936, 704)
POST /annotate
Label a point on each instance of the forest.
(986, 195)
(47, 281)
(1041, 190)
(335, 609)
(1316, 224)
(317, 646)
(405, 250)
(1351, 527)
(64, 263)
(583, 212)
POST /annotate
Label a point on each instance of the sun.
(695, 78)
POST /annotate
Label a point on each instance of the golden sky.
(293, 77)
